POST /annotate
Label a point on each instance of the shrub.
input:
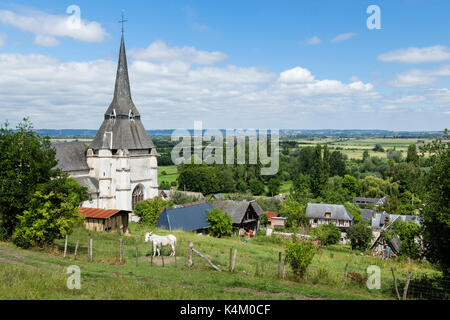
(149, 210)
(328, 234)
(164, 185)
(300, 255)
(182, 198)
(359, 235)
(48, 217)
(221, 223)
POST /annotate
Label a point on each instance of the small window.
(327, 214)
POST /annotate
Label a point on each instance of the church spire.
(122, 103)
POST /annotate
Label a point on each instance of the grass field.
(171, 174)
(41, 274)
(354, 148)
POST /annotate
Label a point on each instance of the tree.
(412, 155)
(317, 175)
(337, 164)
(350, 185)
(274, 186)
(408, 232)
(300, 255)
(26, 160)
(360, 236)
(47, 217)
(378, 148)
(436, 212)
(328, 234)
(366, 155)
(294, 212)
(256, 187)
(221, 223)
(164, 185)
(149, 210)
(326, 163)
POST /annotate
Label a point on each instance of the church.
(119, 167)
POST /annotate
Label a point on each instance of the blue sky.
(232, 64)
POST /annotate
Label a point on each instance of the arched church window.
(138, 195)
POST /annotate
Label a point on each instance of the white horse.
(160, 241)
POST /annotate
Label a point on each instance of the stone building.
(119, 166)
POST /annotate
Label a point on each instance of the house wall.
(315, 222)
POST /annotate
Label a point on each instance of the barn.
(106, 220)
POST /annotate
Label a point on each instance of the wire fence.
(266, 265)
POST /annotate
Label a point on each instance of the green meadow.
(41, 274)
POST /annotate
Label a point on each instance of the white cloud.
(420, 77)
(53, 92)
(296, 75)
(407, 99)
(2, 39)
(48, 27)
(45, 41)
(343, 37)
(313, 41)
(161, 52)
(417, 55)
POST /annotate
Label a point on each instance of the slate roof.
(380, 218)
(237, 209)
(89, 182)
(375, 201)
(366, 214)
(126, 133)
(71, 156)
(318, 210)
(187, 217)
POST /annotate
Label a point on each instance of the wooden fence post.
(279, 265)
(90, 250)
(345, 276)
(405, 290)
(231, 257)
(233, 261)
(395, 282)
(65, 246)
(136, 252)
(151, 257)
(162, 259)
(284, 267)
(120, 250)
(76, 248)
(175, 256)
(190, 246)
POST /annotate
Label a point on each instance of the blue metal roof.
(186, 218)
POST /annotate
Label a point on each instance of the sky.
(231, 64)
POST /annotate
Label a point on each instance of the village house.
(119, 167)
(274, 220)
(362, 202)
(245, 214)
(187, 217)
(322, 213)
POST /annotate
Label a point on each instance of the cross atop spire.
(122, 21)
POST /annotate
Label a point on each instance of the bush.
(360, 236)
(149, 210)
(182, 198)
(256, 187)
(164, 185)
(300, 255)
(328, 234)
(221, 223)
(48, 217)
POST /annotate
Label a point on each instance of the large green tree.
(436, 212)
(26, 161)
